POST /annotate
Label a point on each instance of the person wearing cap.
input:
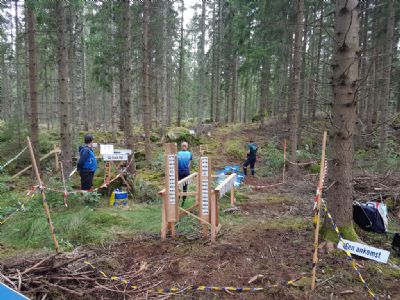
(184, 159)
(251, 157)
(87, 163)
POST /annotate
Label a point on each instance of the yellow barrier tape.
(179, 290)
(349, 256)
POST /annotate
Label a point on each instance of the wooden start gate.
(206, 198)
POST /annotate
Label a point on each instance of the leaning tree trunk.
(126, 82)
(344, 85)
(32, 68)
(296, 81)
(63, 95)
(386, 80)
(146, 97)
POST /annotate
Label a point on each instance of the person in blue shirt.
(251, 157)
(184, 159)
(87, 163)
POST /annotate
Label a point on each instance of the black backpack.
(368, 218)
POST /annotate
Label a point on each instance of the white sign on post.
(366, 251)
(171, 187)
(106, 149)
(115, 157)
(204, 185)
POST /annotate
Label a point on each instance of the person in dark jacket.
(251, 157)
(87, 163)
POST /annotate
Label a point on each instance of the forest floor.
(265, 242)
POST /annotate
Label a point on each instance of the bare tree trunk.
(345, 77)
(201, 103)
(363, 93)
(79, 66)
(146, 99)
(386, 80)
(32, 66)
(64, 118)
(218, 69)
(20, 103)
(126, 81)
(234, 96)
(264, 89)
(164, 70)
(316, 76)
(295, 93)
(114, 104)
(180, 68)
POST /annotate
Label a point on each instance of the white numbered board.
(106, 149)
(204, 185)
(171, 179)
(115, 157)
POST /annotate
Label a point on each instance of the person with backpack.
(251, 157)
(184, 159)
(87, 163)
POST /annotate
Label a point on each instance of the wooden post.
(45, 205)
(214, 215)
(164, 223)
(232, 196)
(65, 187)
(171, 184)
(284, 161)
(107, 173)
(55, 148)
(204, 189)
(318, 199)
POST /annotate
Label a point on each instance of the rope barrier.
(349, 256)
(180, 290)
(22, 205)
(12, 159)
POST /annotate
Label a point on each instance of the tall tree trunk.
(32, 66)
(344, 85)
(234, 95)
(264, 89)
(180, 68)
(126, 80)
(363, 94)
(146, 98)
(201, 103)
(386, 79)
(295, 93)
(164, 70)
(63, 95)
(313, 100)
(218, 69)
(79, 67)
(20, 103)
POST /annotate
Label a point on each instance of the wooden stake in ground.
(45, 205)
(318, 208)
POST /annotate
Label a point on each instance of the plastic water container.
(118, 197)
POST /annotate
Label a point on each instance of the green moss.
(347, 233)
